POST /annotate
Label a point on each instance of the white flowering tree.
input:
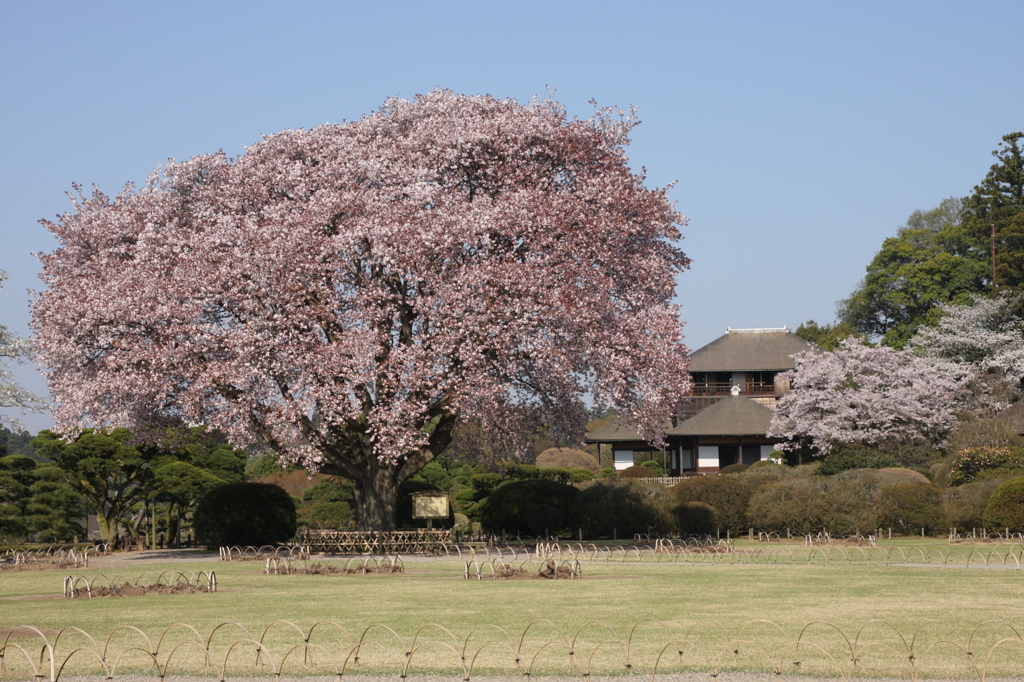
(982, 340)
(349, 293)
(12, 396)
(866, 395)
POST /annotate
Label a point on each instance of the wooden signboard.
(430, 505)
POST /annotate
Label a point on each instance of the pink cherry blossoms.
(868, 395)
(345, 294)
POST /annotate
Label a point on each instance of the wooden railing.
(725, 388)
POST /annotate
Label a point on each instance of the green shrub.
(895, 476)
(797, 504)
(695, 518)
(635, 471)
(327, 515)
(485, 483)
(763, 464)
(567, 458)
(910, 507)
(1006, 506)
(800, 503)
(330, 490)
(327, 505)
(654, 467)
(434, 474)
(973, 463)
(543, 519)
(608, 472)
(245, 514)
(623, 507)
(734, 468)
(729, 495)
(846, 457)
(505, 508)
(520, 472)
(569, 476)
(966, 504)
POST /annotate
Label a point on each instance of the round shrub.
(1006, 506)
(485, 483)
(734, 468)
(696, 518)
(910, 507)
(462, 523)
(795, 503)
(844, 458)
(729, 495)
(245, 514)
(896, 476)
(611, 507)
(505, 508)
(570, 476)
(542, 519)
(655, 468)
(636, 471)
(567, 458)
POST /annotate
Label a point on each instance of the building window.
(623, 459)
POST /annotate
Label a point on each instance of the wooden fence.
(419, 541)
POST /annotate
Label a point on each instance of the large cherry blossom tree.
(347, 294)
(866, 395)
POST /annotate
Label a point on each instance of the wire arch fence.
(761, 649)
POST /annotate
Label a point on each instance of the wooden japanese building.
(726, 419)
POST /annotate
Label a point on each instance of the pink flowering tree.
(866, 395)
(347, 295)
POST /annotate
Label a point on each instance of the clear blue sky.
(801, 134)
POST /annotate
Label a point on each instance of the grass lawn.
(721, 616)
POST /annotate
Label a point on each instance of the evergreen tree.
(998, 204)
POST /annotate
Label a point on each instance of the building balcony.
(749, 389)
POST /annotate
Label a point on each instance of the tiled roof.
(741, 350)
(621, 430)
(733, 416)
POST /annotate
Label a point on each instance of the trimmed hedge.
(567, 458)
(911, 507)
(245, 514)
(612, 507)
(1006, 506)
(505, 509)
(696, 518)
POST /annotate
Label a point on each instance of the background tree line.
(942, 255)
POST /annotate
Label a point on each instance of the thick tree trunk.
(375, 484)
(376, 497)
(108, 529)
